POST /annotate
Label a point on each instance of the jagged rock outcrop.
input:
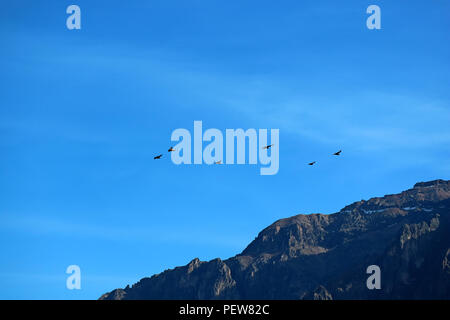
(320, 256)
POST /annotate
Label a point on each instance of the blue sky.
(83, 112)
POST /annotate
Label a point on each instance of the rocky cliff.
(319, 256)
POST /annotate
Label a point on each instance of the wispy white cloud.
(131, 233)
(61, 277)
(366, 121)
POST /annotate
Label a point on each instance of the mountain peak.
(422, 195)
(319, 256)
(433, 183)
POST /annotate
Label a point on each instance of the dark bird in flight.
(337, 153)
(311, 163)
(171, 149)
(268, 146)
(218, 162)
(157, 157)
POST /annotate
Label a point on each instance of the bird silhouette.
(311, 163)
(268, 146)
(337, 153)
(157, 157)
(171, 149)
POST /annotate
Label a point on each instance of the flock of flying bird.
(171, 149)
(334, 154)
(160, 155)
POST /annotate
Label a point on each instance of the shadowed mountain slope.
(320, 256)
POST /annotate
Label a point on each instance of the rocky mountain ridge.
(319, 256)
